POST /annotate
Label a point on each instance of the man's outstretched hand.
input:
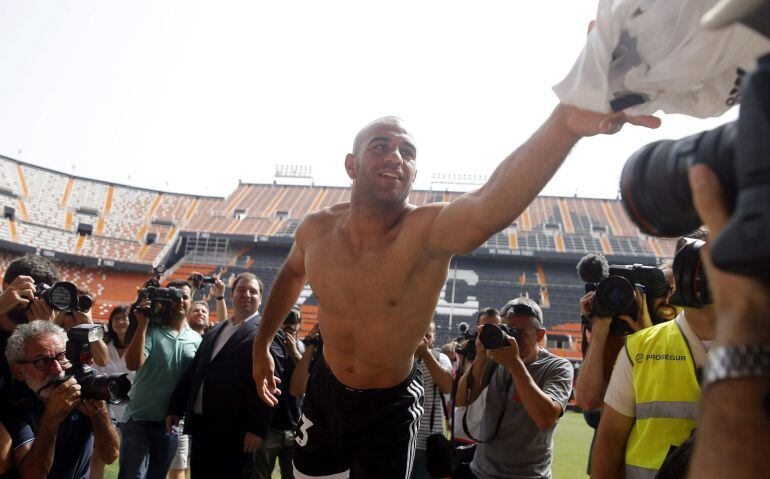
(589, 123)
(263, 372)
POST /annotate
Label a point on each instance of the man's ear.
(350, 165)
(540, 334)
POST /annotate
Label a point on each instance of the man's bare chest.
(374, 277)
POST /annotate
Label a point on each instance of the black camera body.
(615, 293)
(199, 281)
(112, 388)
(656, 191)
(494, 336)
(62, 296)
(313, 340)
(161, 299)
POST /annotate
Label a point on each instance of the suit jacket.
(230, 396)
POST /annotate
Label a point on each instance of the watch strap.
(737, 362)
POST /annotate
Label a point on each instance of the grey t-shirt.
(520, 449)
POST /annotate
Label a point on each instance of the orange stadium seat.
(254, 225)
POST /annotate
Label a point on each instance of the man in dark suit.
(217, 395)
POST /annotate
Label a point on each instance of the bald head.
(361, 137)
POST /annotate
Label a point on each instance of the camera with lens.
(494, 336)
(313, 340)
(691, 284)
(466, 342)
(199, 281)
(656, 191)
(112, 388)
(62, 296)
(161, 299)
(615, 286)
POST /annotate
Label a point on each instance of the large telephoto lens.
(655, 186)
(691, 283)
(112, 388)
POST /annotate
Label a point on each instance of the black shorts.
(358, 434)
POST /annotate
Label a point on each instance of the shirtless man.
(377, 265)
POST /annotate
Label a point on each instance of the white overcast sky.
(191, 96)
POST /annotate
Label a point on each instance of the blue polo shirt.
(168, 356)
(74, 438)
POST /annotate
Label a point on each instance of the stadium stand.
(252, 229)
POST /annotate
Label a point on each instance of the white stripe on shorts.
(416, 410)
(339, 475)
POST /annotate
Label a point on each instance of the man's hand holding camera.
(742, 303)
(18, 293)
(93, 408)
(600, 325)
(61, 401)
(141, 319)
(39, 309)
(218, 288)
(507, 356)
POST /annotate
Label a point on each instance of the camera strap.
(433, 409)
(499, 419)
(433, 399)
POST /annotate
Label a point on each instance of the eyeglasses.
(44, 364)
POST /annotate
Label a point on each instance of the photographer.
(640, 420)
(604, 346)
(160, 352)
(436, 379)
(40, 270)
(466, 351)
(525, 400)
(18, 304)
(55, 431)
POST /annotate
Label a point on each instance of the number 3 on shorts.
(304, 425)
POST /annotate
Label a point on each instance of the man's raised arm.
(286, 288)
(464, 224)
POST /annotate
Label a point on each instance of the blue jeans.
(146, 451)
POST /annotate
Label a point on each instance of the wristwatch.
(737, 362)
(219, 298)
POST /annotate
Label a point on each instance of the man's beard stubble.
(42, 388)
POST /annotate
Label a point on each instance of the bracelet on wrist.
(219, 298)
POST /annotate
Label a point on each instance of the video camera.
(112, 388)
(161, 299)
(656, 191)
(615, 286)
(62, 296)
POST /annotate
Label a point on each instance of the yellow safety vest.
(667, 396)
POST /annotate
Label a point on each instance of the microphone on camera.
(593, 268)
